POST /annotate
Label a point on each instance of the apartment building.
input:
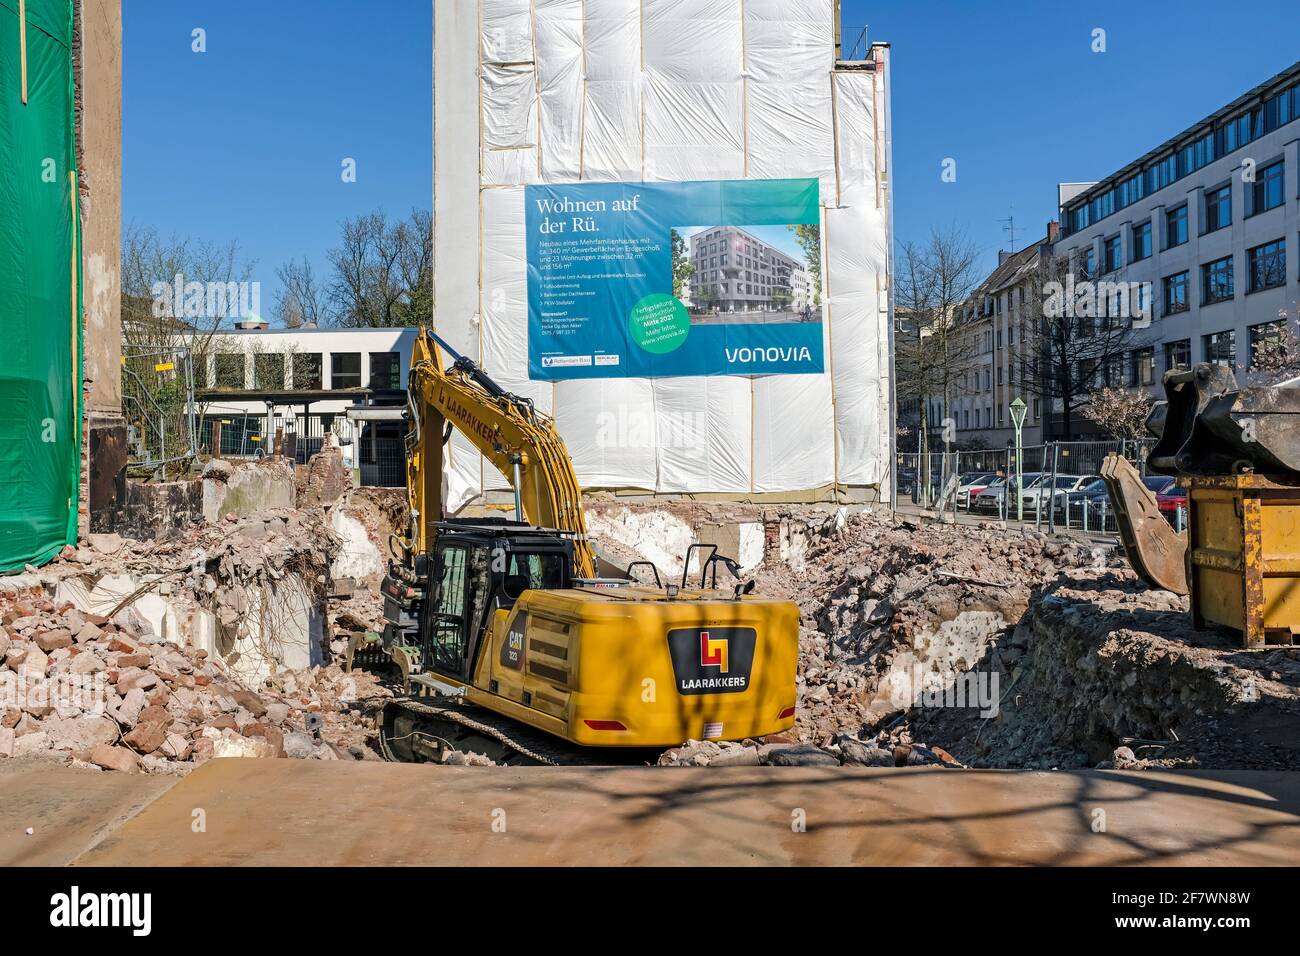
(993, 353)
(737, 272)
(1208, 226)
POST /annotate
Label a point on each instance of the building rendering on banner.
(582, 153)
(733, 271)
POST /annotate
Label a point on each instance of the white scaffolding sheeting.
(628, 90)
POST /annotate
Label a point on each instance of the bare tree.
(1076, 334)
(383, 271)
(175, 295)
(301, 300)
(932, 352)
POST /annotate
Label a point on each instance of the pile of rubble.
(99, 692)
(1109, 672)
(892, 607)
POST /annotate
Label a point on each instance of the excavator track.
(465, 727)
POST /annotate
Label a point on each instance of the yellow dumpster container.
(1243, 555)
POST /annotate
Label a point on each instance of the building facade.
(1207, 228)
(994, 345)
(259, 386)
(737, 272)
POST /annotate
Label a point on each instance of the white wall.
(658, 90)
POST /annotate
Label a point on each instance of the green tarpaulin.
(40, 351)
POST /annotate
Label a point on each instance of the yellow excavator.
(509, 644)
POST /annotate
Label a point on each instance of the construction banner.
(657, 279)
(40, 380)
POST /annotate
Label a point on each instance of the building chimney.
(1003, 256)
(1053, 230)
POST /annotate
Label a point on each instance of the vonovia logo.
(714, 660)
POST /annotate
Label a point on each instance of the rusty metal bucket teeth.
(1157, 552)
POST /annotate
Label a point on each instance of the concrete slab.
(68, 810)
(278, 812)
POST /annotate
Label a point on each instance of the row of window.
(984, 417)
(1138, 368)
(1265, 269)
(1228, 136)
(1220, 348)
(271, 370)
(1263, 194)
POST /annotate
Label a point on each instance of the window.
(1216, 281)
(1090, 263)
(1176, 226)
(229, 371)
(1114, 255)
(1142, 241)
(1266, 266)
(1265, 192)
(345, 370)
(268, 371)
(1178, 354)
(1221, 348)
(385, 370)
(1218, 208)
(1142, 367)
(1176, 293)
(307, 371)
(1266, 334)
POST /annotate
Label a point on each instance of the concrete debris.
(895, 608)
(119, 697)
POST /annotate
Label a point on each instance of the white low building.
(257, 382)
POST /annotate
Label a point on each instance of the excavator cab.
(477, 567)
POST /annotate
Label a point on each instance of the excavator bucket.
(1157, 552)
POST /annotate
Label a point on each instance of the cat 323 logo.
(715, 660)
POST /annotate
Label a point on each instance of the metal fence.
(158, 404)
(375, 449)
(1060, 488)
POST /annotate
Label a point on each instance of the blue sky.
(246, 141)
(1014, 93)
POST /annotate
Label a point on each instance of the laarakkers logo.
(714, 660)
(713, 651)
(75, 909)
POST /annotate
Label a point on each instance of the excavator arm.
(521, 443)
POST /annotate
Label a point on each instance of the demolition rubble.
(225, 634)
(157, 655)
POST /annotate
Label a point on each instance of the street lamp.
(1018, 419)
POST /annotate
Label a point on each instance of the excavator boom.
(521, 442)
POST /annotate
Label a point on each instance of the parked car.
(1099, 506)
(1170, 501)
(992, 499)
(972, 483)
(1055, 491)
(1072, 501)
